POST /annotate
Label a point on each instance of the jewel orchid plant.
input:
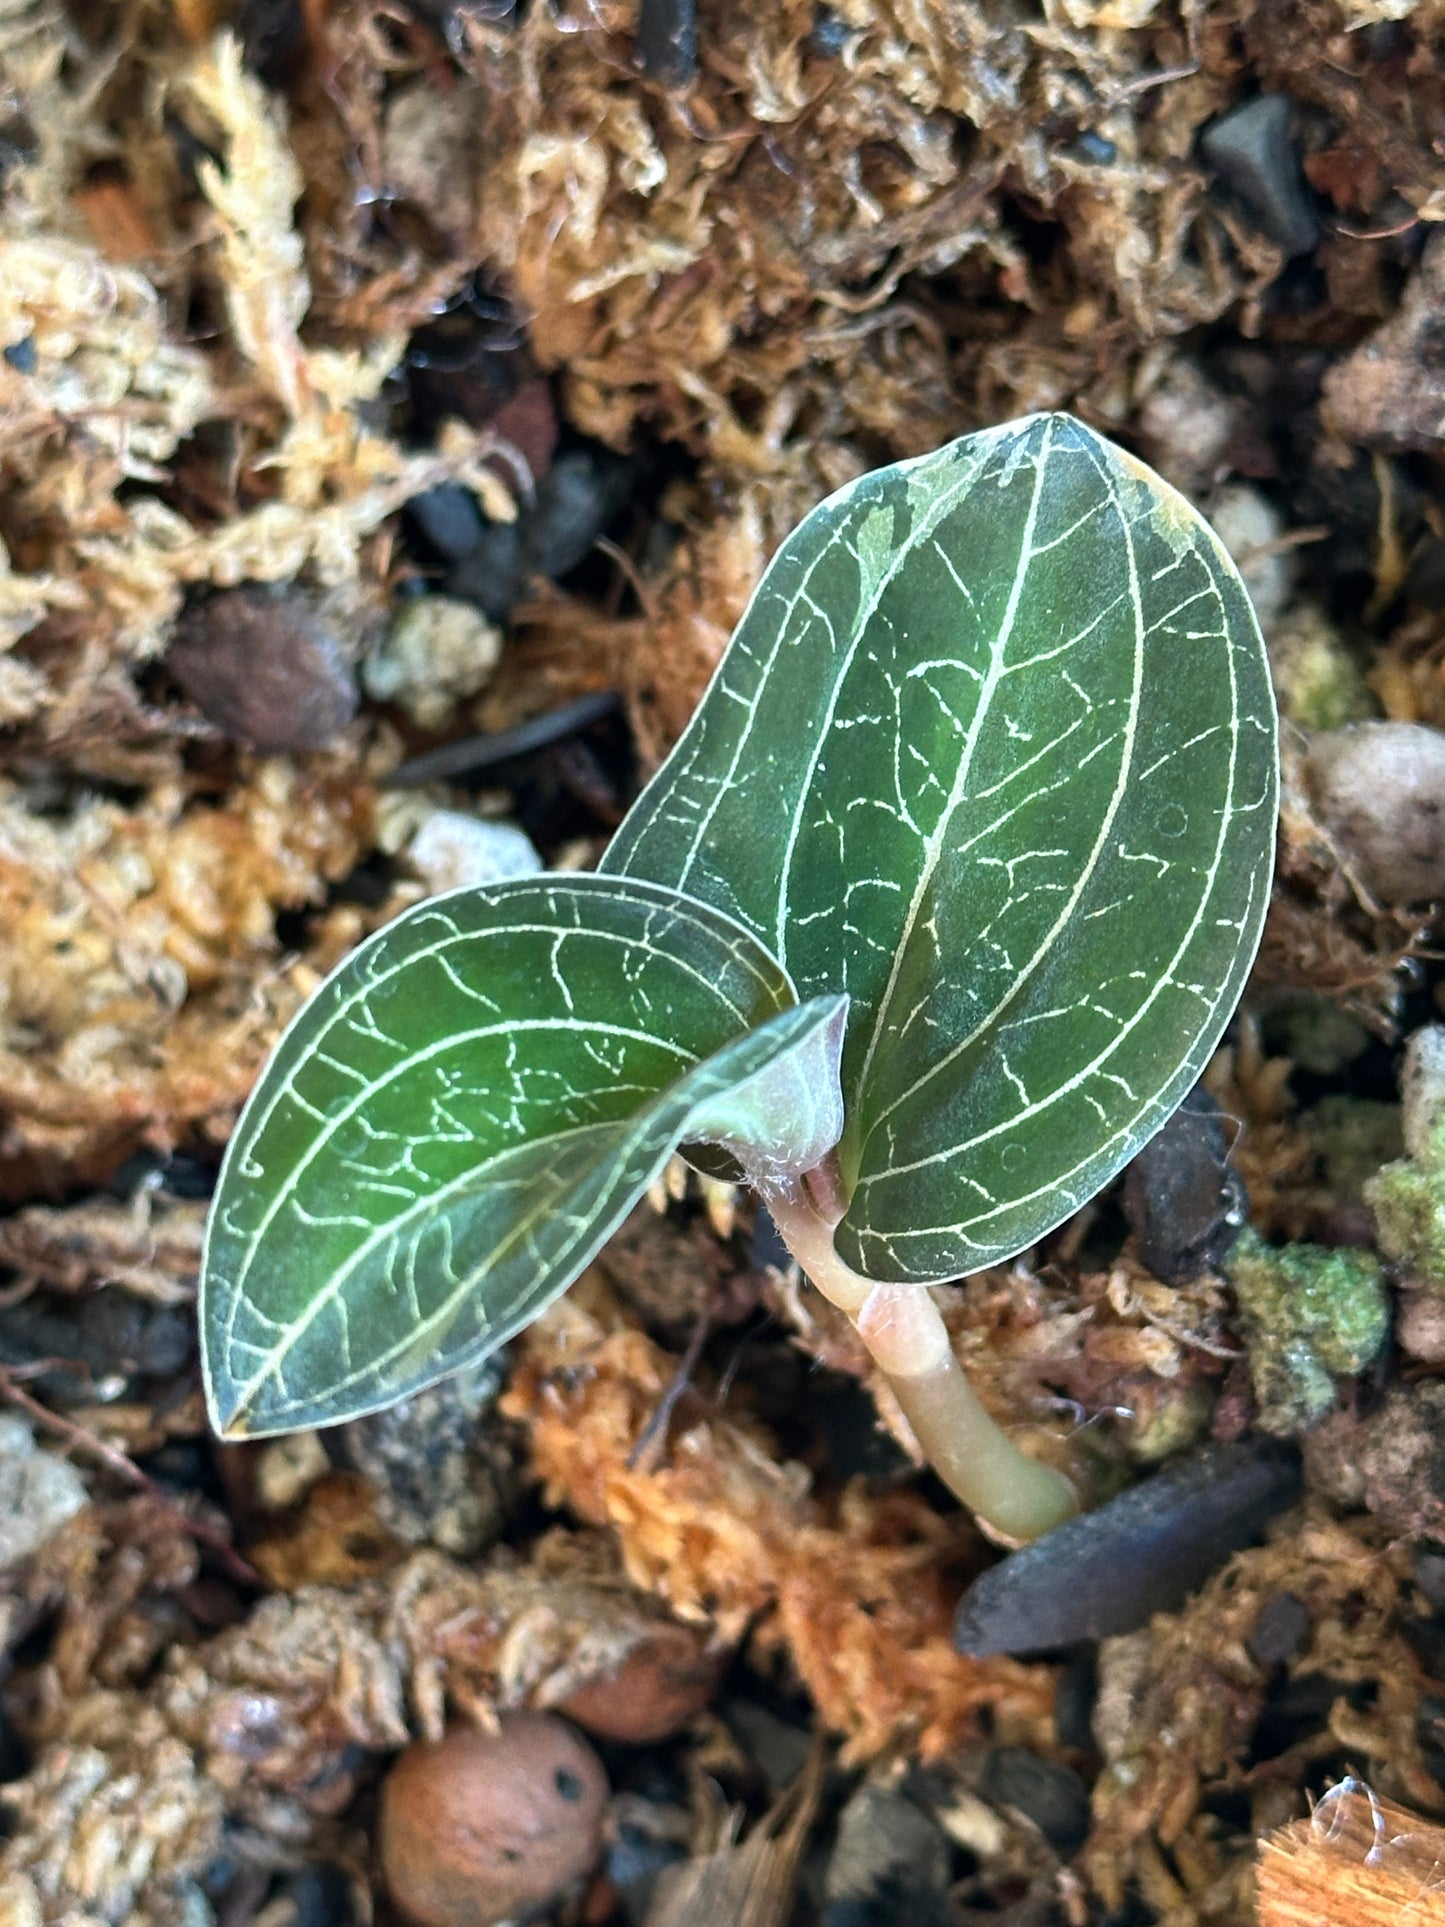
(925, 927)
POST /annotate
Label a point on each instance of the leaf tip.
(228, 1411)
(234, 1411)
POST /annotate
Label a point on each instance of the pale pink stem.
(1015, 1496)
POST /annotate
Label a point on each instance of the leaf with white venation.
(993, 753)
(465, 1111)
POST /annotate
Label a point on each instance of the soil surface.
(398, 403)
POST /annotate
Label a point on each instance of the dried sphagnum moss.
(1175, 1736)
(857, 234)
(139, 983)
(734, 269)
(724, 1530)
(141, 1755)
(139, 990)
(103, 389)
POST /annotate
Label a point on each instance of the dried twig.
(114, 1460)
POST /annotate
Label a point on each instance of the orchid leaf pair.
(946, 893)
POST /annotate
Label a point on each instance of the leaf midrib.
(431, 1205)
(248, 1133)
(1088, 871)
(933, 847)
(631, 1134)
(1166, 980)
(947, 500)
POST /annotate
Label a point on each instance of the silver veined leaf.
(992, 752)
(465, 1111)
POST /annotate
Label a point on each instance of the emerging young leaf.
(993, 752)
(464, 1113)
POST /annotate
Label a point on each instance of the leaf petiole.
(1014, 1497)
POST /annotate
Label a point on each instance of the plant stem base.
(1012, 1495)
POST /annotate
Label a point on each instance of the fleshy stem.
(1013, 1495)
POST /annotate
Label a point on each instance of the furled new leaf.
(993, 752)
(462, 1115)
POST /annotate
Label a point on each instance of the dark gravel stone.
(100, 1345)
(889, 1862)
(159, 1339)
(318, 1897)
(638, 1857)
(265, 667)
(1429, 1566)
(494, 575)
(448, 520)
(1145, 1552)
(1049, 1794)
(1251, 149)
(1184, 1201)
(666, 44)
(776, 1747)
(895, 1902)
(576, 499)
(1280, 1629)
(441, 1478)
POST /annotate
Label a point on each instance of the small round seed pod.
(485, 1827)
(661, 1686)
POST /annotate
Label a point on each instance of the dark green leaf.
(993, 752)
(462, 1115)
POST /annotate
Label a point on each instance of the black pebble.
(666, 46)
(1251, 148)
(576, 499)
(1183, 1199)
(1053, 1796)
(890, 1863)
(776, 1747)
(893, 1903)
(1109, 1571)
(448, 520)
(1279, 1630)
